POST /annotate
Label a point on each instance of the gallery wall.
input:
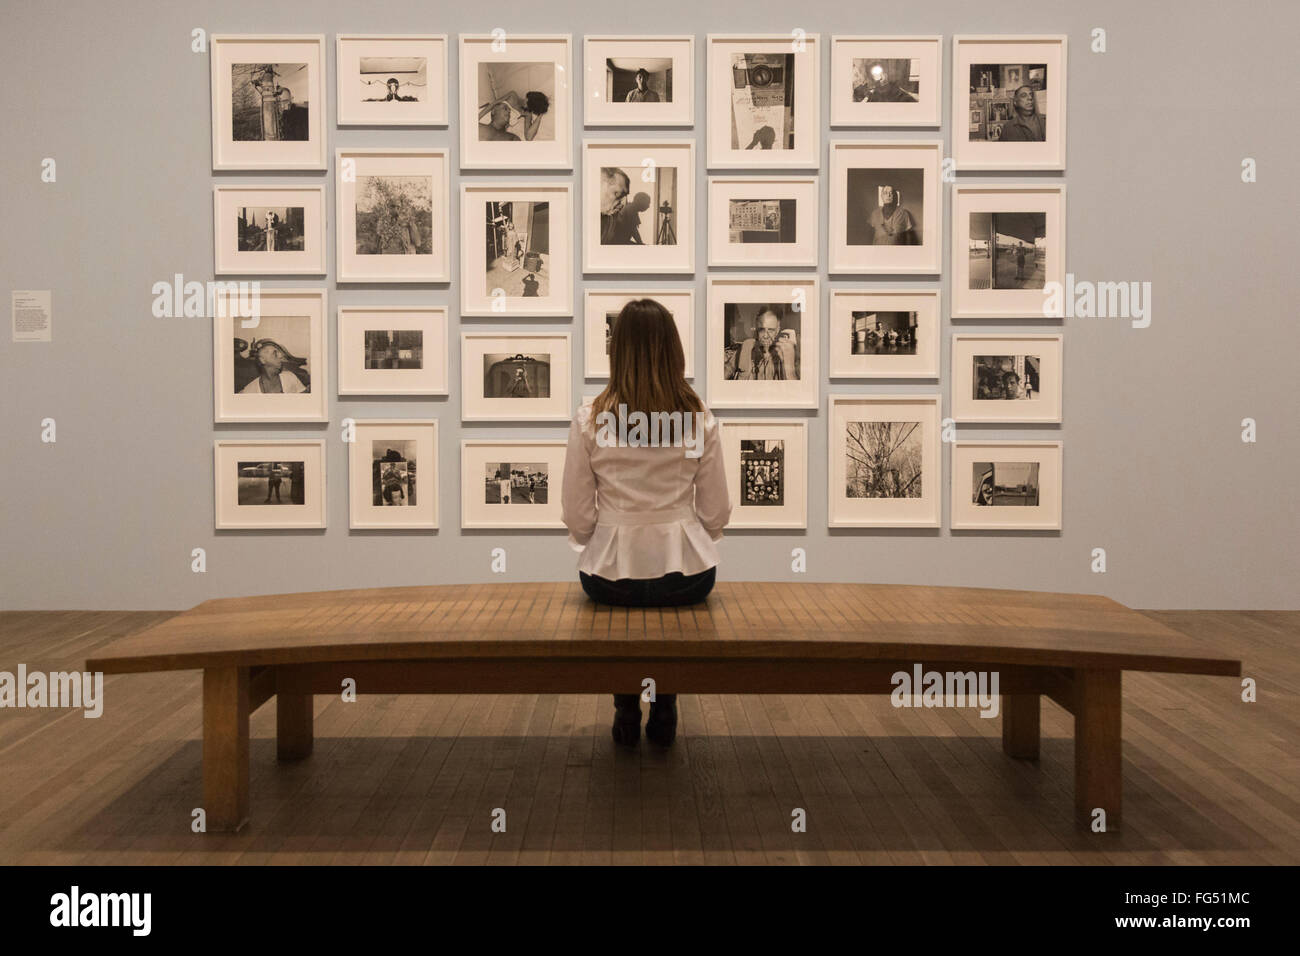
(1155, 469)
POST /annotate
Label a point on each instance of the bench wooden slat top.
(752, 620)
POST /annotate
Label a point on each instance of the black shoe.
(661, 725)
(627, 719)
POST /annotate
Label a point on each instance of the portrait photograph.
(763, 341)
(516, 105)
(269, 484)
(644, 81)
(1006, 486)
(392, 350)
(1008, 250)
(272, 367)
(268, 230)
(764, 108)
(511, 483)
(507, 377)
(884, 460)
(601, 308)
(391, 80)
(268, 102)
(766, 462)
(391, 208)
(886, 207)
(886, 81)
(638, 206)
(1006, 378)
(393, 474)
(516, 249)
(1013, 88)
(763, 221)
(884, 333)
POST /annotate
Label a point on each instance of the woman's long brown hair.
(647, 366)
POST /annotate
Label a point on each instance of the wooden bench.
(746, 638)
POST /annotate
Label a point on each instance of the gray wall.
(1155, 471)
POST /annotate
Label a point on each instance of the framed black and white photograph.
(886, 81)
(764, 107)
(392, 214)
(1008, 251)
(516, 104)
(763, 221)
(1013, 88)
(884, 461)
(884, 333)
(392, 350)
(886, 207)
(640, 81)
(1006, 486)
(268, 102)
(393, 475)
(516, 254)
(268, 230)
(511, 483)
(601, 308)
(638, 206)
(271, 367)
(391, 80)
(269, 484)
(507, 377)
(766, 461)
(763, 341)
(1006, 377)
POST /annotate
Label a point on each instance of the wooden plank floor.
(415, 779)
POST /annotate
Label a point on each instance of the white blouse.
(642, 512)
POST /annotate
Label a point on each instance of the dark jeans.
(672, 589)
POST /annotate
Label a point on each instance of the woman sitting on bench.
(645, 496)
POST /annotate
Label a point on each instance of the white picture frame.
(893, 453)
(984, 281)
(366, 66)
(864, 237)
(490, 363)
(258, 115)
(763, 221)
(987, 72)
(1030, 357)
(860, 348)
(242, 469)
(239, 221)
(396, 462)
(507, 69)
(520, 513)
(860, 97)
(375, 178)
(760, 135)
(972, 479)
(481, 213)
(750, 299)
(291, 325)
(600, 303)
(607, 60)
(752, 506)
(414, 367)
(643, 177)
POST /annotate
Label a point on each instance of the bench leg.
(1097, 761)
(293, 726)
(1020, 725)
(225, 747)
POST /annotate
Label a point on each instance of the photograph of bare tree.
(883, 460)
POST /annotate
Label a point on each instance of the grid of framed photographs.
(635, 208)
